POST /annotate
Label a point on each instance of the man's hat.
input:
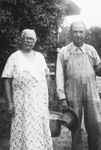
(69, 119)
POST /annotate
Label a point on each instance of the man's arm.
(60, 77)
(60, 82)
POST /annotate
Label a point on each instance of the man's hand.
(63, 104)
(50, 101)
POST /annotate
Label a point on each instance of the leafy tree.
(64, 37)
(42, 15)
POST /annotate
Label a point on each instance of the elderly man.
(76, 68)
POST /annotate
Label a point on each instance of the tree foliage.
(93, 37)
(64, 37)
(42, 15)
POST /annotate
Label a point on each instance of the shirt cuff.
(61, 96)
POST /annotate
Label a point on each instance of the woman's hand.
(10, 109)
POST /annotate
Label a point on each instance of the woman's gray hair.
(28, 32)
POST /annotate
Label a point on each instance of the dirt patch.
(63, 142)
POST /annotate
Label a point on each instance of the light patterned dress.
(30, 126)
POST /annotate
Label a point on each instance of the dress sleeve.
(9, 68)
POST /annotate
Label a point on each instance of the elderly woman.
(26, 92)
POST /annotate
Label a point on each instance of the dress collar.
(25, 65)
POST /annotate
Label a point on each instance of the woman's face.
(28, 43)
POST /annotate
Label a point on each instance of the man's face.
(78, 33)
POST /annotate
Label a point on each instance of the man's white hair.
(77, 22)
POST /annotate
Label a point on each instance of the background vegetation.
(45, 16)
(42, 15)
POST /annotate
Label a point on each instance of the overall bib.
(81, 93)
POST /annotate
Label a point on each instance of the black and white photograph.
(50, 75)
